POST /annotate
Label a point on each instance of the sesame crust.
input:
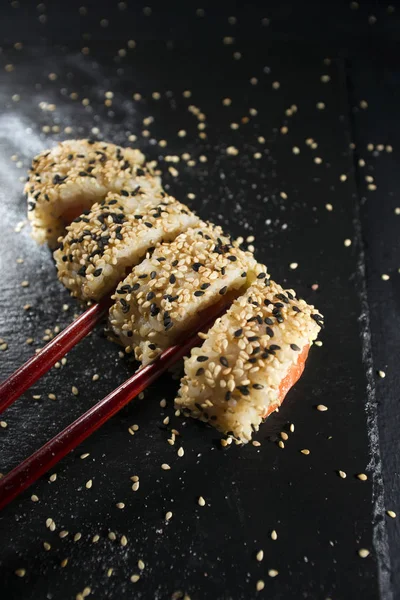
(163, 295)
(115, 235)
(233, 380)
(68, 179)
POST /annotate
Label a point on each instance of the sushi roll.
(249, 360)
(163, 296)
(115, 235)
(68, 179)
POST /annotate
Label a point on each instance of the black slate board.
(322, 520)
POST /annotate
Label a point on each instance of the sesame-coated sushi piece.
(249, 360)
(115, 235)
(163, 296)
(68, 179)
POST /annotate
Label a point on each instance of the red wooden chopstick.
(38, 365)
(53, 451)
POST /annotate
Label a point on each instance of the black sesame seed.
(154, 310)
(269, 331)
(238, 332)
(261, 276)
(97, 272)
(268, 321)
(295, 347)
(232, 258)
(202, 358)
(199, 372)
(228, 396)
(205, 286)
(153, 274)
(150, 296)
(258, 386)
(222, 291)
(198, 293)
(224, 361)
(152, 346)
(274, 347)
(135, 287)
(244, 390)
(149, 225)
(172, 278)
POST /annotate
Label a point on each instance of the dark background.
(322, 520)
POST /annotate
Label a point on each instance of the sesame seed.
(305, 451)
(281, 444)
(123, 540)
(329, 207)
(89, 484)
(362, 477)
(135, 578)
(201, 501)
(322, 408)
(120, 505)
(74, 390)
(85, 455)
(342, 474)
(77, 537)
(391, 513)
(112, 536)
(180, 452)
(46, 546)
(382, 374)
(293, 265)
(274, 535)
(95, 377)
(140, 565)
(135, 486)
(273, 572)
(165, 467)
(255, 443)
(34, 498)
(260, 555)
(385, 277)
(347, 242)
(363, 553)
(53, 477)
(3, 424)
(20, 572)
(343, 177)
(168, 515)
(260, 585)
(296, 150)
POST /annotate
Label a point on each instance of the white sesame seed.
(363, 553)
(135, 486)
(165, 467)
(34, 498)
(180, 452)
(20, 572)
(362, 477)
(260, 555)
(273, 572)
(260, 585)
(343, 177)
(382, 374)
(168, 515)
(322, 407)
(347, 242)
(305, 451)
(274, 535)
(296, 150)
(85, 455)
(201, 501)
(329, 207)
(135, 578)
(120, 505)
(140, 565)
(385, 277)
(294, 265)
(391, 513)
(342, 474)
(123, 540)
(89, 484)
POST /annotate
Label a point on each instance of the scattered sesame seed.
(382, 374)
(329, 207)
(180, 452)
(74, 390)
(141, 565)
(123, 540)
(391, 513)
(342, 474)
(260, 585)
(120, 505)
(273, 572)
(3, 424)
(135, 578)
(34, 498)
(85, 455)
(305, 451)
(363, 553)
(274, 535)
(135, 486)
(20, 572)
(77, 537)
(322, 407)
(343, 177)
(293, 265)
(385, 277)
(168, 515)
(347, 242)
(296, 150)
(165, 467)
(96, 377)
(89, 484)
(201, 501)
(362, 477)
(255, 443)
(53, 477)
(260, 555)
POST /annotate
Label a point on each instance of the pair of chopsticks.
(26, 473)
